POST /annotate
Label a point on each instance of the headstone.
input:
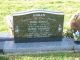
(37, 26)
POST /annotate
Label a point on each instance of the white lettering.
(38, 14)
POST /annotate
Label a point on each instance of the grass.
(49, 56)
(69, 7)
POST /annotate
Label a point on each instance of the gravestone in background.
(37, 26)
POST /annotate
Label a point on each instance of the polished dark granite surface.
(7, 45)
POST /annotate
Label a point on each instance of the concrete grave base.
(10, 47)
(66, 45)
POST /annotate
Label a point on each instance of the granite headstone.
(37, 26)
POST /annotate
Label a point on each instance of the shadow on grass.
(54, 54)
(3, 58)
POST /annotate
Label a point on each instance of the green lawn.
(49, 56)
(69, 7)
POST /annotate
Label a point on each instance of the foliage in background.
(69, 7)
(69, 33)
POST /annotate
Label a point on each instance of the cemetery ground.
(69, 7)
(45, 56)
